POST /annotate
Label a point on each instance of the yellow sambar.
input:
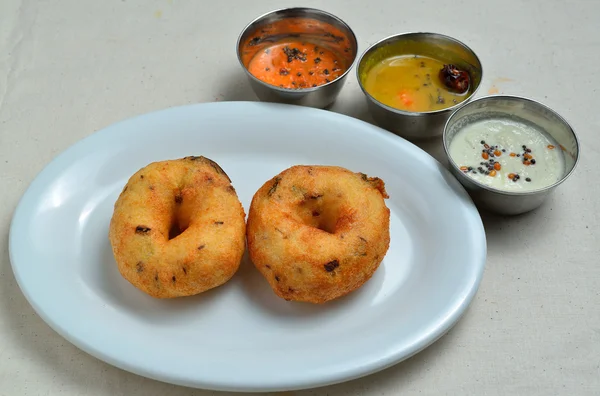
(410, 83)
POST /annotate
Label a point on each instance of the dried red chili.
(455, 79)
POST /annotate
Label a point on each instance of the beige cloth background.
(71, 67)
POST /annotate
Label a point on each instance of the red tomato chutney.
(292, 65)
(297, 53)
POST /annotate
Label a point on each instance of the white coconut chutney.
(508, 155)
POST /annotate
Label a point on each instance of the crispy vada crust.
(191, 197)
(317, 233)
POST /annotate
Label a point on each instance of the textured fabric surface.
(72, 67)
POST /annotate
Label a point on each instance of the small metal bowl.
(417, 125)
(313, 31)
(520, 109)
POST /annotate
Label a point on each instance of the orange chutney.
(297, 53)
(293, 64)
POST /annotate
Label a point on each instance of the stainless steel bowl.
(320, 96)
(417, 125)
(519, 108)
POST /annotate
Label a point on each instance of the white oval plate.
(240, 336)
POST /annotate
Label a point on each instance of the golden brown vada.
(178, 228)
(317, 233)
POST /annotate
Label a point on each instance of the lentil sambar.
(411, 83)
(297, 53)
(414, 74)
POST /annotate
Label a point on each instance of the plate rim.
(350, 373)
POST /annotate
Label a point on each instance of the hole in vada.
(327, 223)
(328, 216)
(180, 218)
(322, 211)
(175, 231)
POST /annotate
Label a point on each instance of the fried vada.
(317, 233)
(178, 228)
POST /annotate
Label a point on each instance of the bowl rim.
(418, 113)
(516, 98)
(288, 9)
